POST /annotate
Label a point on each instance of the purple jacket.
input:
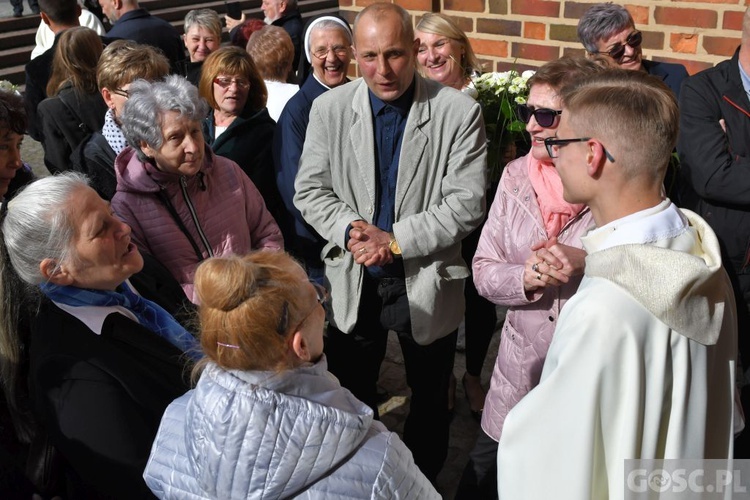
(513, 225)
(220, 208)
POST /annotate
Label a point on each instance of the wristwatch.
(393, 246)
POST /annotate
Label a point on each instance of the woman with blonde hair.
(266, 419)
(74, 109)
(445, 54)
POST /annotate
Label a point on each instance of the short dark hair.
(60, 11)
(12, 112)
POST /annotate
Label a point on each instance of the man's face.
(385, 56)
(109, 9)
(273, 9)
(570, 162)
(631, 60)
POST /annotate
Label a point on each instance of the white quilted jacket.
(269, 435)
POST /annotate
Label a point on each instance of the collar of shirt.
(401, 105)
(745, 79)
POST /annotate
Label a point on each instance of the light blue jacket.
(264, 435)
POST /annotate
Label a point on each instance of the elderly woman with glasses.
(184, 203)
(266, 419)
(101, 356)
(608, 29)
(529, 258)
(238, 126)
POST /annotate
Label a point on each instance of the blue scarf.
(149, 314)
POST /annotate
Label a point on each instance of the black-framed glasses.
(338, 50)
(321, 295)
(617, 52)
(225, 82)
(545, 117)
(122, 93)
(552, 144)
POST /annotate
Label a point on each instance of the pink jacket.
(220, 206)
(513, 225)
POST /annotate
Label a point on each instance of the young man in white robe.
(642, 362)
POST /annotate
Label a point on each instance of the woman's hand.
(552, 264)
(231, 22)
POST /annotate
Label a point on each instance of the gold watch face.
(394, 248)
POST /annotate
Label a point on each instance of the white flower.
(520, 99)
(528, 74)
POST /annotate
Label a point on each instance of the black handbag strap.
(162, 195)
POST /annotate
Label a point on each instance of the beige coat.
(439, 196)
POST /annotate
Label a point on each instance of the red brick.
(465, 23)
(534, 31)
(349, 15)
(574, 52)
(464, 5)
(563, 33)
(507, 66)
(653, 40)
(574, 10)
(639, 13)
(712, 1)
(498, 6)
(720, 45)
(544, 53)
(425, 5)
(487, 65)
(499, 27)
(694, 67)
(496, 48)
(732, 20)
(684, 43)
(365, 3)
(535, 8)
(694, 18)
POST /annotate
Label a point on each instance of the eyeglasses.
(617, 52)
(545, 117)
(224, 82)
(552, 144)
(321, 296)
(122, 93)
(338, 50)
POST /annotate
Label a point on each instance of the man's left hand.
(370, 246)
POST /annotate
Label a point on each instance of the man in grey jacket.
(392, 174)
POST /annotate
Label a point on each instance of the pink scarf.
(546, 182)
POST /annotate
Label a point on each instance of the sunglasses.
(617, 52)
(226, 82)
(552, 144)
(545, 117)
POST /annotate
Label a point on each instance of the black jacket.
(66, 120)
(96, 158)
(101, 397)
(140, 26)
(38, 71)
(715, 165)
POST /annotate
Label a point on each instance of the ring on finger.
(535, 267)
(362, 250)
(539, 276)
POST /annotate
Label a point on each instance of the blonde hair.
(76, 56)
(125, 61)
(249, 306)
(440, 24)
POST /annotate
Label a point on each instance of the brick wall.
(528, 33)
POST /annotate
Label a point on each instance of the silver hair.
(325, 23)
(149, 101)
(204, 18)
(600, 22)
(38, 227)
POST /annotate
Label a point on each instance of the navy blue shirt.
(389, 123)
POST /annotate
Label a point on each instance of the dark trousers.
(355, 358)
(18, 5)
(479, 480)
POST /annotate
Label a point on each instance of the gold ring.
(535, 267)
(362, 250)
(539, 276)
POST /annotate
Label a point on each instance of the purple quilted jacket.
(220, 208)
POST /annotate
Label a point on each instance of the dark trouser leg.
(355, 358)
(17, 6)
(34, 6)
(480, 315)
(479, 481)
(427, 427)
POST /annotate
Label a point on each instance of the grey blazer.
(439, 196)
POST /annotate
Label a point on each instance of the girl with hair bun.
(266, 419)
